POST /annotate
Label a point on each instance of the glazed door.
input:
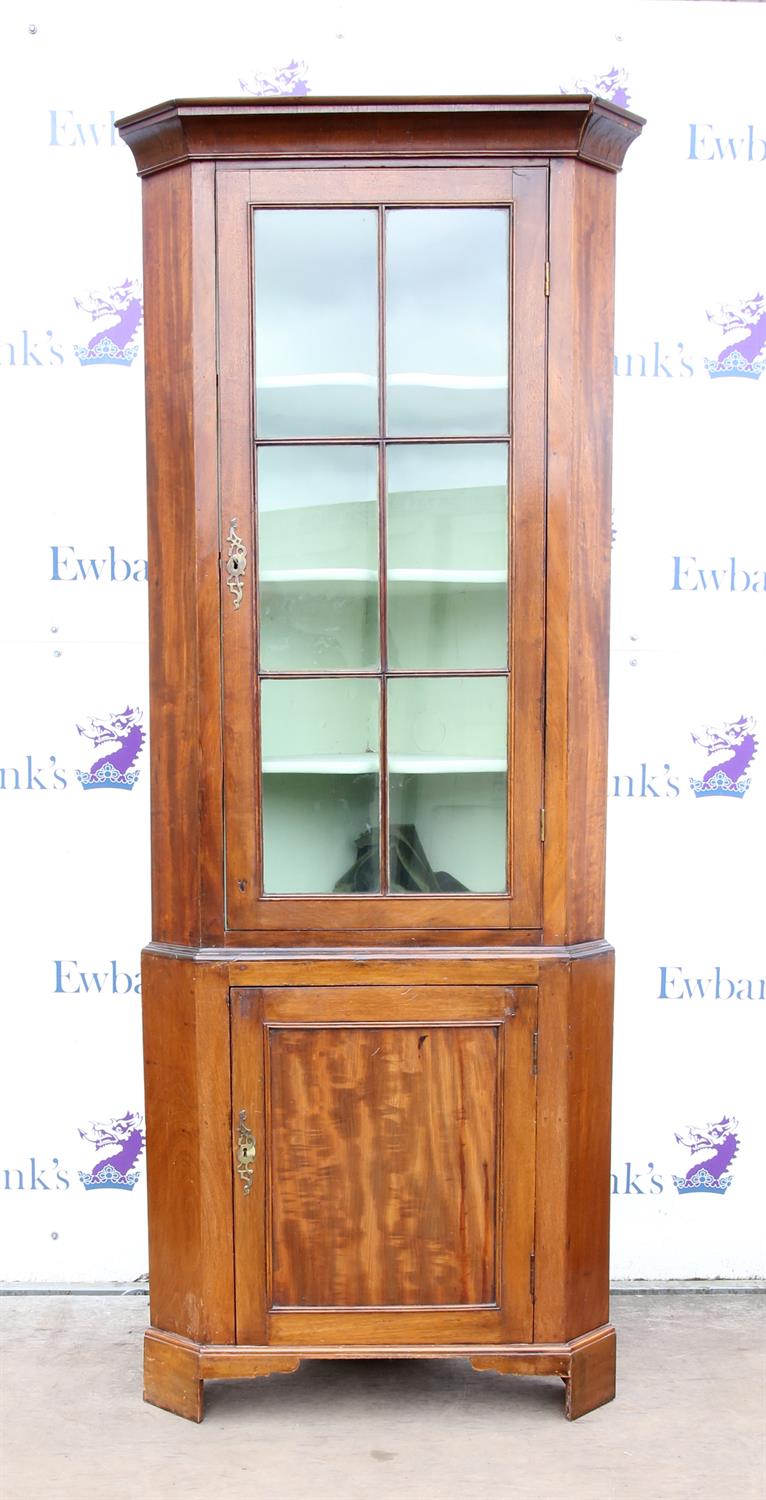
(385, 1192)
(381, 386)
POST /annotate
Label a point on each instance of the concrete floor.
(688, 1422)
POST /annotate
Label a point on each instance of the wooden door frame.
(513, 1010)
(525, 190)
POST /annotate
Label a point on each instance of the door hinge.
(542, 825)
(535, 1042)
(532, 1276)
(547, 278)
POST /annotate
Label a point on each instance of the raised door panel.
(392, 1193)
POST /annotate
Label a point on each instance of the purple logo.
(117, 313)
(123, 735)
(290, 79)
(731, 748)
(123, 1141)
(718, 1145)
(612, 85)
(743, 333)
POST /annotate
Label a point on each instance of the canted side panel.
(590, 1113)
(384, 1146)
(580, 356)
(183, 544)
(188, 1108)
(573, 1145)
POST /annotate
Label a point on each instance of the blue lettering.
(736, 575)
(618, 786)
(63, 977)
(659, 364)
(29, 350)
(60, 561)
(647, 783)
(751, 139)
(37, 1177)
(694, 152)
(93, 981)
(680, 573)
(91, 567)
(57, 126)
(665, 992)
(700, 986)
(725, 148)
(718, 985)
(66, 131)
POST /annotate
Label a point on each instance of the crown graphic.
(719, 785)
(107, 776)
(736, 365)
(105, 352)
(109, 1177)
(703, 1182)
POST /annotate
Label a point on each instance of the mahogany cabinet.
(377, 1000)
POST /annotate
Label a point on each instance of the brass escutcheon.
(237, 564)
(245, 1152)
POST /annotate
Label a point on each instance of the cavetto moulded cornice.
(290, 129)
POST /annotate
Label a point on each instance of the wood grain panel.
(357, 1328)
(367, 967)
(579, 536)
(573, 1145)
(397, 1174)
(590, 1112)
(402, 183)
(188, 1110)
(326, 1004)
(362, 1118)
(238, 625)
(476, 938)
(527, 541)
(250, 1207)
(183, 555)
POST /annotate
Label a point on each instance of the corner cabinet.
(377, 1003)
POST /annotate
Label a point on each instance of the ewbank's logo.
(118, 1145)
(612, 85)
(717, 1145)
(731, 749)
(117, 312)
(124, 737)
(289, 79)
(737, 348)
(743, 332)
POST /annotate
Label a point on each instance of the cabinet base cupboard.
(378, 1000)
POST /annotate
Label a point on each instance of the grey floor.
(688, 1422)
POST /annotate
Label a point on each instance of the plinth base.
(175, 1368)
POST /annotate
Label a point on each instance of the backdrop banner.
(687, 787)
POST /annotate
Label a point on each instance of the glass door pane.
(316, 322)
(318, 558)
(447, 555)
(448, 772)
(447, 291)
(320, 767)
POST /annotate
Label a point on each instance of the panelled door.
(385, 1138)
(382, 445)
